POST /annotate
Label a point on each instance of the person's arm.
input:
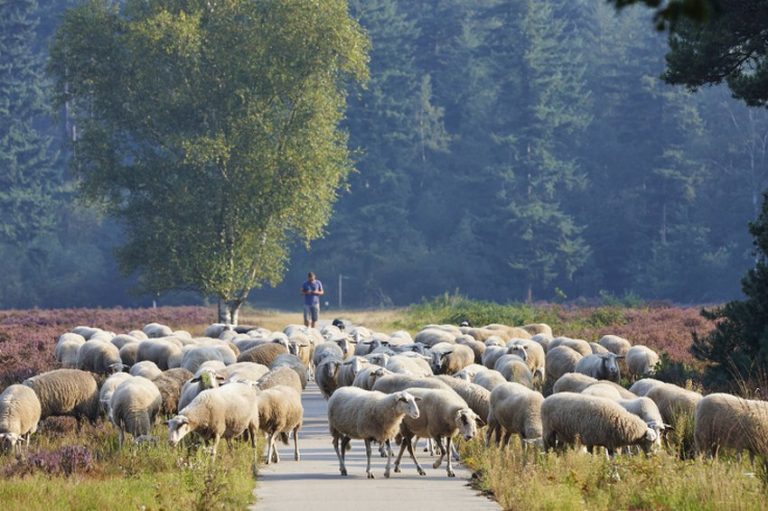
(305, 291)
(320, 291)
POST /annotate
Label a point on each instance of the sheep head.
(178, 428)
(468, 422)
(406, 403)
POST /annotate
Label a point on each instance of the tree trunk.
(229, 311)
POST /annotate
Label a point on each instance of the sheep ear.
(195, 380)
(619, 356)
(480, 422)
(416, 398)
(668, 427)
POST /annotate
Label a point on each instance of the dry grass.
(377, 319)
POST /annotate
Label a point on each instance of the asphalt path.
(314, 483)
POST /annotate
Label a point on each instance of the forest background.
(506, 149)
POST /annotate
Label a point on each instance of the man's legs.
(315, 313)
(306, 315)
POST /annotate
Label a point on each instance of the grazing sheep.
(542, 340)
(243, 371)
(675, 403)
(470, 372)
(602, 390)
(451, 358)
(203, 380)
(138, 335)
(85, 331)
(573, 382)
(516, 409)
(596, 348)
(624, 393)
(431, 336)
(476, 346)
(379, 358)
(367, 415)
(145, 368)
(647, 410)
(129, 352)
(512, 368)
(489, 379)
(603, 366)
(580, 346)
(134, 406)
(121, 340)
(566, 417)
(416, 366)
(67, 348)
(327, 375)
(263, 354)
(368, 376)
(349, 369)
(615, 344)
(100, 357)
(160, 351)
(442, 414)
(560, 360)
(641, 360)
(538, 329)
(19, 414)
(156, 330)
(280, 413)
(730, 422)
(66, 392)
(195, 356)
(477, 397)
(170, 383)
(222, 412)
(398, 382)
(325, 350)
(108, 388)
(535, 356)
(493, 353)
(292, 362)
(643, 386)
(280, 376)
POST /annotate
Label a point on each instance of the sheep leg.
(449, 465)
(275, 454)
(439, 461)
(215, 446)
(389, 458)
(340, 455)
(505, 441)
(455, 452)
(296, 454)
(415, 461)
(403, 444)
(368, 458)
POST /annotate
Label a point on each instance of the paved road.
(314, 483)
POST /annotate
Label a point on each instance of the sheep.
(603, 366)
(85, 331)
(451, 358)
(99, 357)
(542, 340)
(292, 362)
(327, 374)
(641, 361)
(302, 347)
(280, 376)
(416, 366)
(67, 348)
(195, 356)
(380, 359)
(159, 351)
(280, 412)
(643, 386)
(514, 408)
(203, 380)
(121, 340)
(139, 335)
(133, 408)
(623, 393)
(222, 412)
(512, 368)
(326, 350)
(19, 415)
(489, 379)
(397, 382)
(214, 329)
(675, 403)
(477, 397)
(470, 372)
(368, 376)
(580, 346)
(264, 354)
(731, 422)
(535, 356)
(243, 371)
(368, 415)
(566, 416)
(647, 410)
(431, 336)
(615, 344)
(573, 382)
(349, 369)
(66, 392)
(442, 414)
(538, 329)
(602, 390)
(560, 360)
(492, 354)
(108, 388)
(156, 330)
(129, 352)
(596, 348)
(145, 368)
(170, 383)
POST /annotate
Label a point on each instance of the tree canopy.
(211, 130)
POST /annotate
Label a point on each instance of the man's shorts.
(311, 311)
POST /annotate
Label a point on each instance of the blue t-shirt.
(315, 285)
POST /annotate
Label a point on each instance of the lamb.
(195, 356)
(560, 360)
(66, 392)
(327, 374)
(451, 358)
(514, 408)
(674, 402)
(108, 388)
(280, 376)
(280, 412)
(263, 354)
(145, 368)
(159, 351)
(512, 368)
(99, 357)
(489, 379)
(643, 386)
(573, 382)
(603, 366)
(615, 344)
(66, 349)
(205, 379)
(442, 413)
(222, 412)
(294, 363)
(134, 406)
(731, 422)
(567, 416)
(19, 415)
(641, 361)
(170, 383)
(367, 415)
(367, 377)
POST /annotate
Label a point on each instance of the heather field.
(67, 469)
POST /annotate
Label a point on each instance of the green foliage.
(669, 14)
(212, 135)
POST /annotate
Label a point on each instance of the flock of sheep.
(442, 382)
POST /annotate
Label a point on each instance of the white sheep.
(470, 372)
(580, 346)
(108, 388)
(514, 409)
(367, 415)
(489, 379)
(397, 382)
(349, 369)
(413, 365)
(67, 348)
(477, 347)
(643, 386)
(431, 336)
(203, 380)
(19, 415)
(492, 354)
(573, 382)
(129, 352)
(367, 377)
(121, 340)
(597, 348)
(675, 403)
(280, 376)
(170, 383)
(512, 368)
(535, 356)
(221, 412)
(327, 374)
(442, 414)
(641, 361)
(603, 366)
(98, 356)
(723, 421)
(647, 410)
(195, 356)
(159, 351)
(243, 371)
(280, 413)
(477, 397)
(615, 344)
(595, 421)
(134, 406)
(602, 390)
(538, 329)
(448, 358)
(145, 368)
(325, 350)
(156, 330)
(560, 360)
(66, 392)
(294, 363)
(263, 354)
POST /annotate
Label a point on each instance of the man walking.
(312, 289)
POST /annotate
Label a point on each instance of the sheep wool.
(66, 392)
(19, 415)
